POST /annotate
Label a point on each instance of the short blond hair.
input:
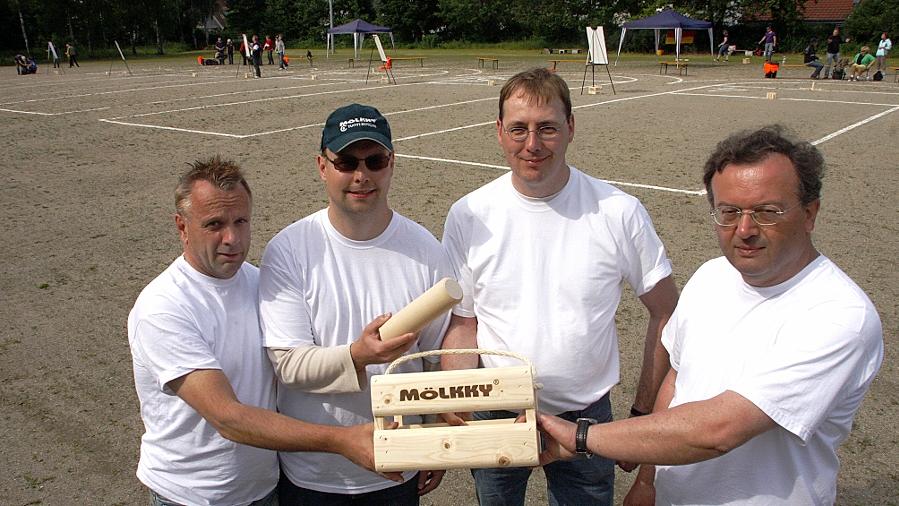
(223, 174)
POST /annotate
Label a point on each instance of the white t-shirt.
(181, 322)
(320, 288)
(544, 278)
(883, 47)
(804, 352)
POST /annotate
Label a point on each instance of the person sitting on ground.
(861, 63)
(21, 64)
(810, 59)
(220, 51)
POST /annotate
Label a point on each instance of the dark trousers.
(256, 63)
(73, 62)
(405, 494)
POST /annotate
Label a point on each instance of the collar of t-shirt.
(191, 272)
(350, 243)
(543, 203)
(768, 292)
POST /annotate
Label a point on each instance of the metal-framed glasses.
(545, 132)
(347, 163)
(765, 216)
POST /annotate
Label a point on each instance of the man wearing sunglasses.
(542, 253)
(772, 349)
(327, 283)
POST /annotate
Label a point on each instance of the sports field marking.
(36, 113)
(174, 129)
(257, 90)
(854, 125)
(611, 101)
(788, 99)
(393, 113)
(59, 81)
(502, 167)
(266, 99)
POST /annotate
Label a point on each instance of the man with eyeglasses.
(772, 349)
(542, 253)
(327, 284)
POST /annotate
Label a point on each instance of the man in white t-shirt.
(772, 349)
(542, 253)
(327, 284)
(206, 387)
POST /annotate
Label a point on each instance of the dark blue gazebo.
(667, 20)
(358, 28)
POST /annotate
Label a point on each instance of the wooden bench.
(556, 62)
(351, 62)
(482, 62)
(680, 65)
(421, 59)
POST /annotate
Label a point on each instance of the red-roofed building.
(821, 11)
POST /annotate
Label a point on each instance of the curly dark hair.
(751, 146)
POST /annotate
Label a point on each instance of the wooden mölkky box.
(485, 443)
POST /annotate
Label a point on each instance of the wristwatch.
(580, 436)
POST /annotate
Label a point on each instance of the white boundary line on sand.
(36, 113)
(501, 167)
(475, 125)
(393, 113)
(854, 125)
(266, 99)
(110, 92)
(789, 99)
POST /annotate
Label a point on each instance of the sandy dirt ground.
(92, 159)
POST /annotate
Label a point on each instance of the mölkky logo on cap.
(354, 122)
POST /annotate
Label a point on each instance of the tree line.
(93, 25)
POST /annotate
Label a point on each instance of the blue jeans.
(405, 494)
(817, 65)
(270, 500)
(574, 482)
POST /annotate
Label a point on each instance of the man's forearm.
(462, 333)
(660, 303)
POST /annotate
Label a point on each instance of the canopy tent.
(667, 20)
(358, 28)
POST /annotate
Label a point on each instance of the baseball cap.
(352, 123)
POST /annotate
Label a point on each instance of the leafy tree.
(410, 20)
(871, 18)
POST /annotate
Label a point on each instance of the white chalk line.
(267, 99)
(393, 113)
(475, 125)
(854, 125)
(789, 99)
(111, 92)
(174, 129)
(36, 113)
(501, 167)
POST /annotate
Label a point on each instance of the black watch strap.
(580, 436)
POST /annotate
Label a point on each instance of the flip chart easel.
(54, 58)
(386, 64)
(596, 56)
(122, 55)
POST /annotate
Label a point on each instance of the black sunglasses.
(374, 163)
